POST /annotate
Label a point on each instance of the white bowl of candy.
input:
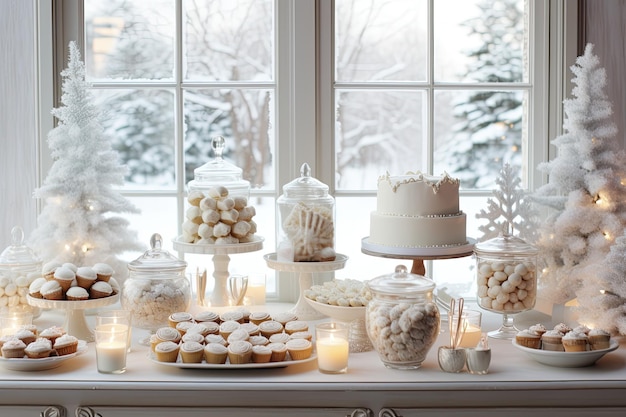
(343, 301)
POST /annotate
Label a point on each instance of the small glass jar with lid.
(19, 267)
(307, 220)
(402, 320)
(156, 287)
(218, 195)
(506, 277)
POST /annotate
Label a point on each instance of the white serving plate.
(42, 364)
(228, 366)
(339, 313)
(567, 359)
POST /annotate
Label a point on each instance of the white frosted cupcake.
(227, 327)
(599, 339)
(237, 335)
(103, 271)
(52, 290)
(215, 338)
(574, 342)
(40, 348)
(261, 354)
(64, 276)
(77, 294)
(299, 349)
(100, 289)
(168, 334)
(178, 317)
(191, 352)
(270, 327)
(166, 351)
(85, 277)
(239, 352)
(215, 353)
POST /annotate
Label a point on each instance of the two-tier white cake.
(416, 210)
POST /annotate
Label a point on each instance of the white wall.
(18, 151)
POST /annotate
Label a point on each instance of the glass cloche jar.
(19, 267)
(506, 274)
(156, 287)
(402, 320)
(307, 220)
(218, 209)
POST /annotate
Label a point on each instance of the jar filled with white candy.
(402, 320)
(506, 274)
(19, 267)
(155, 288)
(218, 210)
(307, 220)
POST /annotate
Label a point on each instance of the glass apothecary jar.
(307, 220)
(218, 209)
(506, 277)
(156, 287)
(402, 320)
(19, 267)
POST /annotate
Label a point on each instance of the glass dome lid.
(157, 259)
(401, 282)
(219, 171)
(305, 186)
(18, 253)
(505, 244)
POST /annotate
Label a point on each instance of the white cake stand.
(302, 309)
(75, 323)
(221, 259)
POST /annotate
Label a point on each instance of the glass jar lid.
(219, 171)
(157, 259)
(306, 186)
(18, 253)
(401, 282)
(505, 244)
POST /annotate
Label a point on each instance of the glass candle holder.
(331, 343)
(111, 348)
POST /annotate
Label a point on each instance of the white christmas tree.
(585, 192)
(77, 223)
(510, 212)
(602, 301)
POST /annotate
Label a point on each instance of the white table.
(515, 385)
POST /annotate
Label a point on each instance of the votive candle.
(332, 348)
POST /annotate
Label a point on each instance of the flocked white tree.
(602, 301)
(584, 193)
(78, 222)
(510, 211)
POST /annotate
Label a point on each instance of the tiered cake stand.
(302, 309)
(221, 259)
(75, 323)
(419, 255)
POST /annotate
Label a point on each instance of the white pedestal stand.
(221, 259)
(305, 270)
(75, 323)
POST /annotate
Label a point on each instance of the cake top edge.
(433, 181)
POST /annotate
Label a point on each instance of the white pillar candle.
(255, 295)
(111, 357)
(471, 337)
(332, 354)
(111, 348)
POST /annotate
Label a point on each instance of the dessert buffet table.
(515, 385)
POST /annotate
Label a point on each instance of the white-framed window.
(352, 87)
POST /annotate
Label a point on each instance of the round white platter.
(566, 359)
(41, 364)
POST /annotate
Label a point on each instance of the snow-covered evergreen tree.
(510, 211)
(489, 128)
(585, 190)
(602, 300)
(78, 222)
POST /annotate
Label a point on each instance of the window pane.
(353, 224)
(140, 123)
(481, 41)
(245, 117)
(477, 131)
(229, 40)
(129, 39)
(380, 40)
(150, 220)
(377, 131)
